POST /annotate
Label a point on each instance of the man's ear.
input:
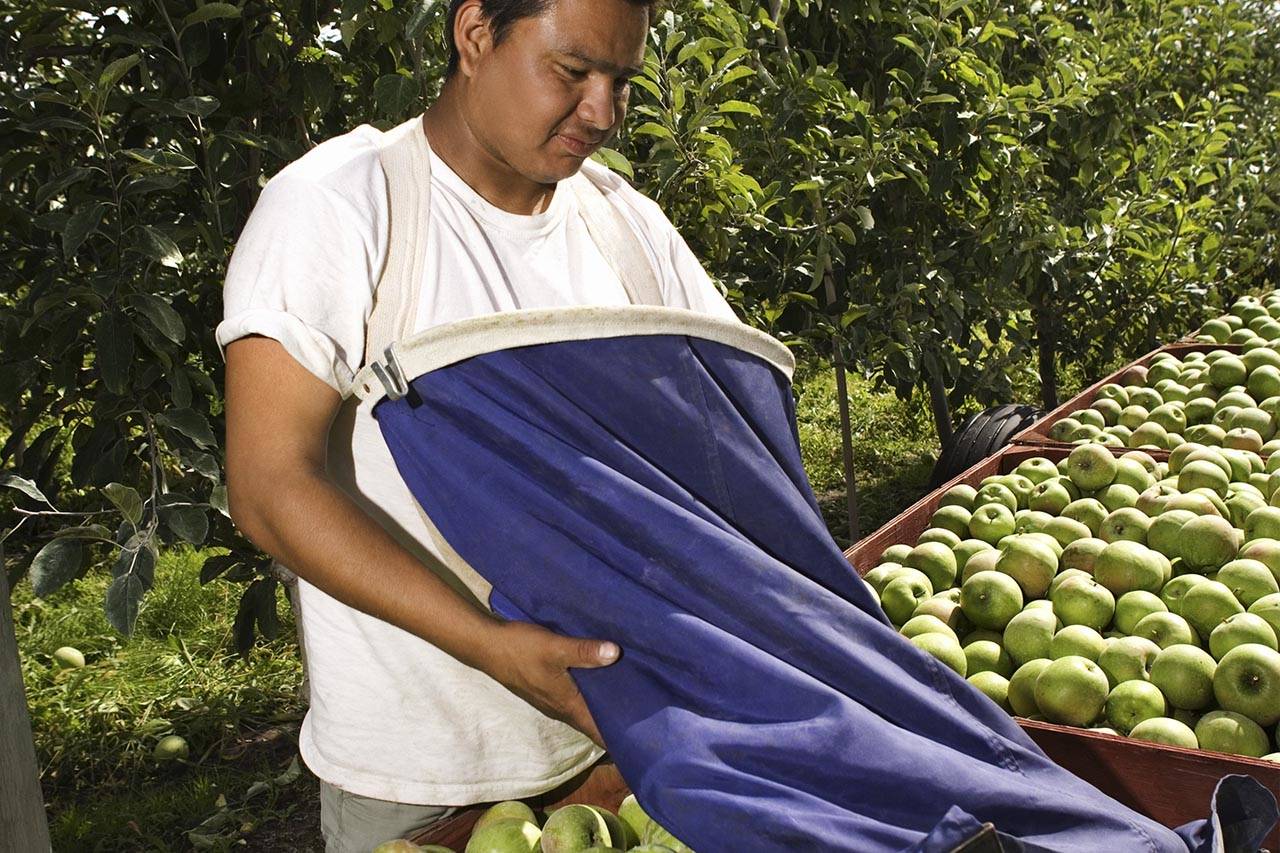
(472, 36)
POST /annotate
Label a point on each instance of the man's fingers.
(589, 654)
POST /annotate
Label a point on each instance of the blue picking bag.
(648, 489)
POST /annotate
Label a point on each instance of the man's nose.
(599, 107)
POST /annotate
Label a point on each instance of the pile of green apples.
(1251, 322)
(1118, 593)
(514, 827)
(1217, 398)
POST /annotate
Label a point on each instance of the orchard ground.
(96, 727)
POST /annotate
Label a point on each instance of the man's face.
(556, 88)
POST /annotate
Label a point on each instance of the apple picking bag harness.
(633, 473)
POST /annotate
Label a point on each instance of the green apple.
(994, 685)
(1166, 630)
(1163, 534)
(171, 748)
(980, 634)
(1022, 687)
(1029, 633)
(1126, 523)
(513, 835)
(1091, 467)
(903, 595)
(1113, 391)
(991, 522)
(990, 599)
(1062, 429)
(1127, 659)
(879, 577)
(1092, 417)
(939, 535)
(1029, 563)
(1020, 486)
(1227, 371)
(1203, 474)
(1130, 472)
(1268, 607)
(1242, 502)
(1208, 542)
(1150, 434)
(1247, 681)
(1109, 409)
(1170, 416)
(1228, 731)
(1184, 674)
(937, 561)
(1207, 604)
(573, 828)
(1066, 530)
(1077, 640)
(1175, 589)
(1031, 521)
(895, 553)
(1088, 511)
(1084, 601)
(1124, 566)
(1264, 381)
(633, 816)
(1062, 577)
(1199, 408)
(1131, 702)
(1082, 555)
(946, 649)
(925, 623)
(1037, 469)
(1240, 629)
(953, 518)
(960, 495)
(1165, 731)
(988, 656)
(619, 833)
(507, 810)
(1265, 551)
(1133, 416)
(68, 657)
(1135, 605)
(966, 549)
(1072, 690)
(1117, 496)
(1051, 496)
(1248, 580)
(984, 561)
(996, 493)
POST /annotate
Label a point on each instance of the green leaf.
(613, 160)
(864, 216)
(158, 246)
(138, 559)
(738, 107)
(736, 73)
(126, 499)
(161, 159)
(161, 315)
(395, 93)
(82, 223)
(57, 185)
(198, 105)
(112, 73)
(22, 484)
(650, 128)
(418, 22)
(55, 565)
(86, 531)
(187, 522)
(215, 566)
(218, 500)
(122, 602)
(190, 423)
(114, 339)
(209, 12)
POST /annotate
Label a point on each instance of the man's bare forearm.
(310, 525)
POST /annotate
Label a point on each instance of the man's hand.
(534, 664)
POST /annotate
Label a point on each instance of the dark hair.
(502, 15)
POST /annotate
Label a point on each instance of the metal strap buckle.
(391, 376)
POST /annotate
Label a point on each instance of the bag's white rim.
(450, 343)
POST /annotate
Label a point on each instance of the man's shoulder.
(620, 191)
(346, 165)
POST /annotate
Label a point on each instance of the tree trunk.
(1047, 346)
(940, 407)
(22, 820)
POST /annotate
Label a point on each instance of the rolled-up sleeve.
(303, 274)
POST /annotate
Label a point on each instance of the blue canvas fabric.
(649, 489)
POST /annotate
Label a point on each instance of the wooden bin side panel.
(1038, 432)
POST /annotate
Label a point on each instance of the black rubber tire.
(980, 436)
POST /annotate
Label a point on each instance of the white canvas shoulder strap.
(406, 162)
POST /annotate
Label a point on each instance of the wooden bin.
(1038, 433)
(1168, 784)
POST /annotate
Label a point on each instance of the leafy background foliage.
(947, 194)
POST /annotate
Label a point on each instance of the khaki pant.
(351, 823)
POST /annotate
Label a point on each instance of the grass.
(241, 788)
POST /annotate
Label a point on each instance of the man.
(420, 700)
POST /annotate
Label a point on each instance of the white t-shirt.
(391, 716)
